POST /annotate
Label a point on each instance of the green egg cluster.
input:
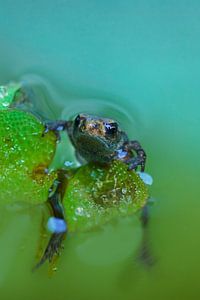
(96, 194)
(25, 154)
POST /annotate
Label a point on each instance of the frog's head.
(92, 128)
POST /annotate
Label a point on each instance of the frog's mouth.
(93, 143)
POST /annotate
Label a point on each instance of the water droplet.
(124, 191)
(68, 163)
(121, 153)
(79, 211)
(146, 177)
(56, 225)
(5, 104)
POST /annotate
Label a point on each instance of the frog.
(108, 163)
(98, 139)
(98, 142)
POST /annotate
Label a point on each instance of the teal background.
(137, 61)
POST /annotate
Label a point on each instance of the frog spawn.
(24, 156)
(98, 193)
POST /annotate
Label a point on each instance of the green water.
(137, 61)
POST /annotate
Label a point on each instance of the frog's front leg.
(56, 127)
(56, 193)
(140, 159)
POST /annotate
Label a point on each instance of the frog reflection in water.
(95, 139)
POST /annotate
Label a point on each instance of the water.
(138, 62)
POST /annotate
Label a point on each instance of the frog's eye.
(111, 128)
(77, 121)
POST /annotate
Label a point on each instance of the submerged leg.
(145, 255)
(56, 194)
(140, 159)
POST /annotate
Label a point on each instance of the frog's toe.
(56, 127)
(53, 248)
(146, 258)
(136, 162)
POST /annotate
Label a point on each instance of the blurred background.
(138, 62)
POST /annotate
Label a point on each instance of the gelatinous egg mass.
(98, 193)
(25, 154)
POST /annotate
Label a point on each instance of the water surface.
(138, 62)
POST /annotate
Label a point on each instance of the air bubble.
(68, 163)
(146, 177)
(56, 225)
(124, 191)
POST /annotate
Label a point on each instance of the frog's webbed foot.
(53, 248)
(56, 127)
(140, 159)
